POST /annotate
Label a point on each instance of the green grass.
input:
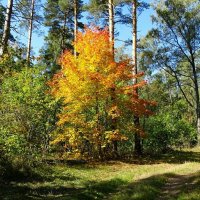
(138, 179)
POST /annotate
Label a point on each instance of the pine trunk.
(75, 25)
(196, 86)
(111, 38)
(138, 146)
(198, 128)
(63, 33)
(111, 24)
(6, 32)
(197, 95)
(30, 31)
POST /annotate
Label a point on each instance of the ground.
(171, 176)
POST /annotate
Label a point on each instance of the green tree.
(174, 46)
(27, 115)
(172, 125)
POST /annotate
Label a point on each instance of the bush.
(27, 118)
(166, 132)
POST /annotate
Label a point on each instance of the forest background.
(83, 97)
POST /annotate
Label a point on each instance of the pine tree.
(2, 20)
(60, 19)
(28, 17)
(30, 31)
(7, 24)
(138, 148)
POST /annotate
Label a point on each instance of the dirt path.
(177, 184)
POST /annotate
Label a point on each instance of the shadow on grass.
(17, 192)
(182, 187)
(151, 188)
(92, 190)
(112, 189)
(177, 157)
(162, 187)
(172, 157)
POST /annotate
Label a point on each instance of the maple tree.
(86, 84)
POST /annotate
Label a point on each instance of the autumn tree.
(138, 147)
(88, 107)
(107, 7)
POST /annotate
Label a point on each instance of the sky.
(125, 32)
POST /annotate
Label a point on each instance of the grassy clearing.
(144, 178)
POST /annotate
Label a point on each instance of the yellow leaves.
(4, 59)
(93, 44)
(97, 93)
(114, 112)
(85, 77)
(59, 138)
(115, 136)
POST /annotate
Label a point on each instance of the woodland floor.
(172, 176)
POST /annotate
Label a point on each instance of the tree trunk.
(6, 32)
(111, 38)
(138, 147)
(75, 25)
(198, 127)
(111, 24)
(114, 123)
(197, 98)
(63, 33)
(30, 31)
(98, 123)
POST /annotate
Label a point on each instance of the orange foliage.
(86, 84)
